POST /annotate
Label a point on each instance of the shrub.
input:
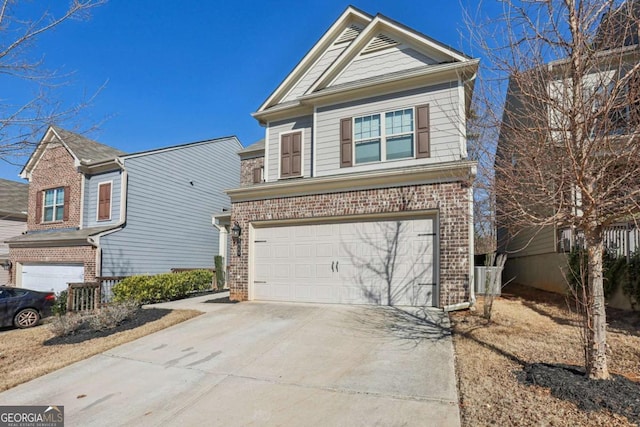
(162, 287)
(67, 324)
(112, 315)
(616, 272)
(60, 305)
(108, 317)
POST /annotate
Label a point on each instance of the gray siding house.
(361, 191)
(96, 211)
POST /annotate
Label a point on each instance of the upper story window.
(388, 139)
(54, 204)
(104, 201)
(392, 135)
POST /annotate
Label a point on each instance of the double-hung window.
(378, 139)
(399, 134)
(366, 135)
(54, 204)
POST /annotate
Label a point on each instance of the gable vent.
(379, 42)
(349, 33)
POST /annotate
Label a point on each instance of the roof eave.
(443, 172)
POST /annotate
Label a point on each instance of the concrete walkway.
(265, 364)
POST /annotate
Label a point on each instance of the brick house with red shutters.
(94, 210)
(361, 191)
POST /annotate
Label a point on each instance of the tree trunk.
(597, 331)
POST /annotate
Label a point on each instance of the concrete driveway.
(265, 364)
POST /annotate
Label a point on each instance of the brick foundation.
(56, 255)
(449, 199)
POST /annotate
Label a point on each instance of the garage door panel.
(51, 277)
(347, 263)
(324, 250)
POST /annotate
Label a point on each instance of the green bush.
(59, 307)
(162, 287)
(616, 272)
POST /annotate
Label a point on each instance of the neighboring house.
(537, 256)
(96, 211)
(13, 220)
(361, 191)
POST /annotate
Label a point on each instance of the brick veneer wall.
(246, 169)
(55, 169)
(450, 199)
(69, 254)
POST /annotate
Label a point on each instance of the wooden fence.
(91, 295)
(83, 296)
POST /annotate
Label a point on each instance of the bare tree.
(568, 152)
(21, 25)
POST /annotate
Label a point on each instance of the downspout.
(470, 275)
(95, 240)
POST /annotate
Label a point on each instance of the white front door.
(376, 262)
(51, 277)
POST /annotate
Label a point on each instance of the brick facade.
(449, 199)
(85, 255)
(55, 169)
(246, 169)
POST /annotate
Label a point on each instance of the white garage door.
(351, 263)
(51, 277)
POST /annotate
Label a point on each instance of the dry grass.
(538, 329)
(30, 353)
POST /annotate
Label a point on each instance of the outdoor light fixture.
(236, 232)
(6, 265)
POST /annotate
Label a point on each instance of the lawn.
(521, 368)
(30, 353)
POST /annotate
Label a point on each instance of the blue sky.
(190, 70)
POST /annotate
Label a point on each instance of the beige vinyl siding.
(9, 228)
(444, 121)
(303, 124)
(380, 63)
(314, 72)
(531, 241)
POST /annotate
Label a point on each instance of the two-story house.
(534, 116)
(361, 191)
(96, 211)
(13, 220)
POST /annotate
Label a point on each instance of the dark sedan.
(23, 308)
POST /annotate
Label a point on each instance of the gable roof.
(350, 15)
(84, 151)
(14, 199)
(345, 42)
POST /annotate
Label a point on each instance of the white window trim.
(110, 201)
(301, 131)
(55, 206)
(383, 137)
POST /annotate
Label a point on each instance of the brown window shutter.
(346, 146)
(422, 131)
(296, 154)
(104, 202)
(39, 197)
(257, 175)
(285, 156)
(65, 212)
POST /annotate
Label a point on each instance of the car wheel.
(26, 318)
